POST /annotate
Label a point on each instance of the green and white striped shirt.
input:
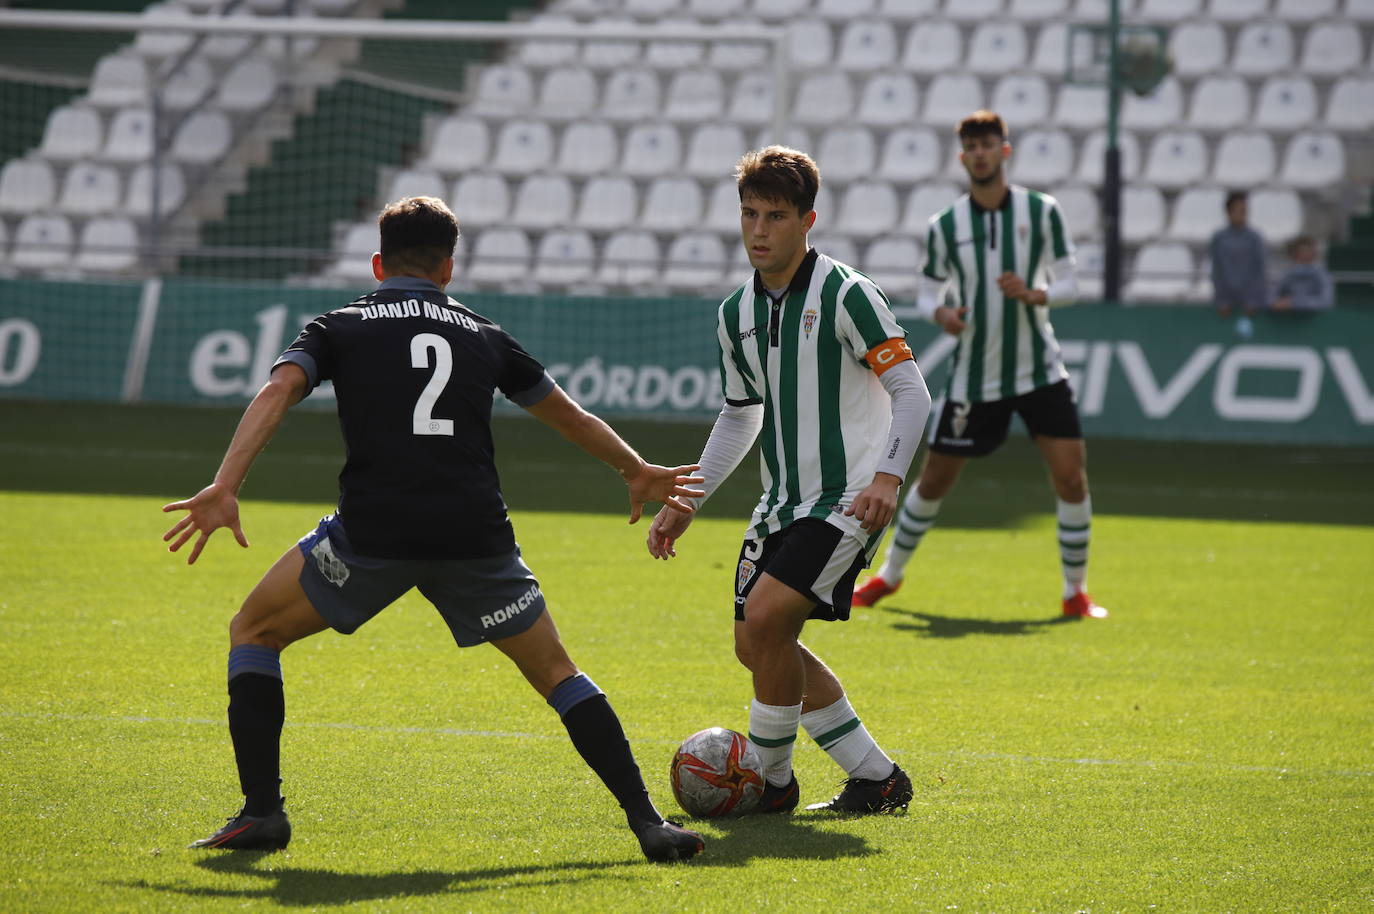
(1007, 348)
(826, 415)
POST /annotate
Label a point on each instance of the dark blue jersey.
(414, 374)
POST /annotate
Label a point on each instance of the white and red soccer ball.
(715, 773)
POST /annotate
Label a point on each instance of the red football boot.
(1081, 606)
(874, 589)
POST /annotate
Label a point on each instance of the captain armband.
(886, 354)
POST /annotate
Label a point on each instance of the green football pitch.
(1207, 748)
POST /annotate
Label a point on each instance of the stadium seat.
(1091, 160)
(501, 255)
(588, 147)
(1303, 10)
(1051, 49)
(1263, 48)
(933, 46)
(650, 150)
(840, 10)
(695, 95)
(722, 210)
(751, 99)
(672, 204)
(249, 84)
(42, 242)
(1313, 160)
(1022, 98)
(130, 137)
(1037, 11)
(192, 84)
(1163, 271)
(481, 199)
(459, 144)
(1219, 103)
(1198, 213)
(202, 139)
(567, 93)
(695, 262)
(950, 98)
(228, 47)
(849, 153)
(867, 208)
(564, 258)
(1159, 110)
(630, 259)
(1244, 158)
(631, 95)
(729, 56)
(415, 182)
(523, 146)
(72, 132)
(893, 264)
(1276, 213)
(909, 154)
(119, 81)
(1332, 48)
(609, 53)
(1088, 262)
(1042, 157)
(796, 137)
(907, 10)
(1237, 10)
(157, 44)
(650, 10)
(89, 189)
(1168, 11)
(867, 45)
(354, 263)
(809, 43)
(888, 99)
(138, 200)
(107, 245)
(543, 202)
(997, 47)
(26, 186)
(1351, 104)
(1176, 159)
(716, 9)
(1081, 107)
(713, 151)
(1359, 10)
(1095, 11)
(925, 201)
(674, 54)
(973, 10)
(548, 52)
(1081, 208)
(503, 91)
(1142, 213)
(823, 98)
(1197, 48)
(1286, 103)
(784, 10)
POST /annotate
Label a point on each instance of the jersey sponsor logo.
(329, 563)
(510, 611)
(752, 331)
(886, 354)
(809, 321)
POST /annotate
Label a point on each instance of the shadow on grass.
(780, 838)
(930, 625)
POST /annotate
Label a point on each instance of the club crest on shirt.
(744, 574)
(1022, 231)
(809, 321)
(959, 422)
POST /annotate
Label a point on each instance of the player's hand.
(209, 509)
(951, 320)
(667, 528)
(876, 505)
(1013, 286)
(662, 484)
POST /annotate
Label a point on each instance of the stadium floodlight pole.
(1111, 167)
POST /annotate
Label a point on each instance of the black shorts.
(813, 558)
(978, 429)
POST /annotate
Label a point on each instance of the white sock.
(838, 730)
(1075, 530)
(773, 731)
(916, 516)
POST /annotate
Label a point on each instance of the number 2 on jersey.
(423, 421)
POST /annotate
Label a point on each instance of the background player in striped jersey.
(1008, 254)
(811, 355)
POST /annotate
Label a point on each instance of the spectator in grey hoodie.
(1238, 279)
(1305, 286)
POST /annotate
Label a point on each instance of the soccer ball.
(716, 772)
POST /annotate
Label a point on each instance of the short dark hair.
(981, 123)
(781, 174)
(418, 235)
(1236, 196)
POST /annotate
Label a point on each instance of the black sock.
(600, 740)
(257, 708)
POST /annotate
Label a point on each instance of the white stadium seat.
(90, 188)
(695, 95)
(459, 144)
(751, 99)
(156, 43)
(841, 10)
(1163, 271)
(1359, 10)
(228, 46)
(1303, 10)
(415, 182)
(588, 147)
(107, 245)
(42, 242)
(1051, 48)
(481, 199)
(501, 255)
(1351, 104)
(1081, 208)
(715, 9)
(836, 247)
(202, 139)
(1286, 103)
(973, 10)
(1219, 102)
(543, 202)
(888, 99)
(908, 10)
(1332, 48)
(823, 98)
(652, 10)
(1022, 98)
(26, 186)
(729, 56)
(1313, 160)
(796, 137)
(171, 189)
(674, 54)
(611, 54)
(503, 90)
(933, 47)
(630, 259)
(650, 150)
(1176, 159)
(779, 9)
(997, 46)
(523, 146)
(722, 210)
(1276, 213)
(354, 263)
(1160, 109)
(1198, 213)
(849, 153)
(893, 263)
(548, 52)
(72, 132)
(608, 202)
(925, 201)
(130, 138)
(713, 151)
(1036, 11)
(248, 86)
(1142, 213)
(567, 93)
(1237, 10)
(671, 205)
(1081, 107)
(1095, 11)
(1197, 48)
(1042, 157)
(867, 45)
(193, 83)
(1244, 158)
(1168, 11)
(1089, 259)
(909, 154)
(950, 98)
(867, 208)
(809, 43)
(1263, 48)
(1092, 158)
(695, 261)
(564, 258)
(119, 81)
(631, 95)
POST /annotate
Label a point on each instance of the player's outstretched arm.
(217, 505)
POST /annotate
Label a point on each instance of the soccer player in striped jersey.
(1008, 255)
(810, 355)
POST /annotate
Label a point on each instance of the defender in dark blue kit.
(420, 505)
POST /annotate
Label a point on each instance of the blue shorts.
(484, 599)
